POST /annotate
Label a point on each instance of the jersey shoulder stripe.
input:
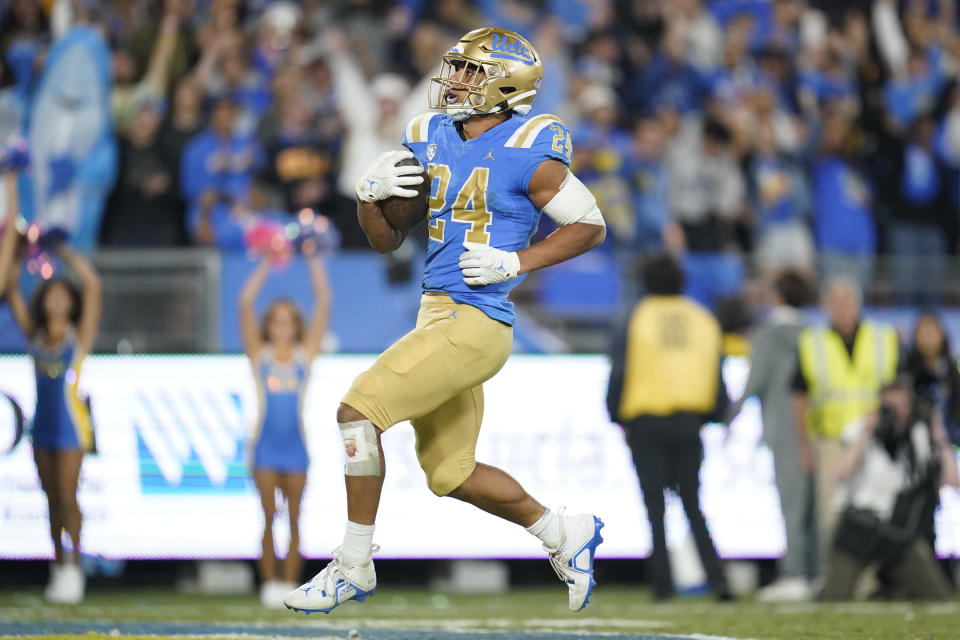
(526, 134)
(418, 128)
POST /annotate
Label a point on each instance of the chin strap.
(462, 114)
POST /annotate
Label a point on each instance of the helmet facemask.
(480, 96)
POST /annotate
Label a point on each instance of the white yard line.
(484, 624)
(200, 635)
(701, 636)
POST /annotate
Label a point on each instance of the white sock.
(547, 529)
(357, 547)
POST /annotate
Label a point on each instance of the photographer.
(892, 466)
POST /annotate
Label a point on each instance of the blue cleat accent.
(573, 559)
(591, 546)
(357, 594)
(333, 586)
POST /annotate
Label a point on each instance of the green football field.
(616, 613)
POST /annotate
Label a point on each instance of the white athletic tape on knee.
(360, 448)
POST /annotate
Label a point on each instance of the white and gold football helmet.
(493, 69)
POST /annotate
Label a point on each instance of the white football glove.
(482, 264)
(384, 179)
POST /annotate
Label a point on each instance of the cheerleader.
(281, 350)
(61, 324)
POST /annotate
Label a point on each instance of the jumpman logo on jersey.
(489, 155)
(372, 182)
(453, 314)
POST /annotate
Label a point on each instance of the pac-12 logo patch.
(431, 150)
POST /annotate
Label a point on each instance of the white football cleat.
(573, 559)
(67, 584)
(786, 590)
(333, 586)
(272, 593)
(55, 585)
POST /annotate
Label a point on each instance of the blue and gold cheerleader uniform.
(62, 418)
(279, 443)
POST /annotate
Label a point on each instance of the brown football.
(406, 213)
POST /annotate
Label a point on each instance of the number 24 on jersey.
(469, 206)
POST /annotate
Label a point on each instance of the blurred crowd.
(811, 134)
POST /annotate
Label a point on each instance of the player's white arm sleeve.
(573, 203)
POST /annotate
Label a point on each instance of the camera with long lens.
(887, 421)
(922, 408)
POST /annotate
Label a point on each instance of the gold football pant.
(434, 376)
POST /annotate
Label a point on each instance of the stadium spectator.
(893, 462)
(216, 176)
(669, 80)
(923, 216)
(299, 165)
(23, 29)
(773, 363)
(140, 27)
(840, 371)
(558, 75)
(184, 121)
(912, 96)
(646, 175)
(780, 199)
(234, 79)
(601, 153)
(128, 95)
(16, 75)
(665, 383)
(650, 186)
(936, 388)
(144, 210)
(277, 39)
(931, 364)
(736, 75)
(948, 133)
(844, 228)
(376, 111)
(318, 92)
(702, 36)
(706, 198)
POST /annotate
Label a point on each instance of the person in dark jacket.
(934, 371)
(665, 384)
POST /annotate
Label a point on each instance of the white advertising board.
(171, 478)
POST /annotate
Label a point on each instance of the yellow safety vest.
(841, 389)
(672, 359)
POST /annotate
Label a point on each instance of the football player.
(493, 170)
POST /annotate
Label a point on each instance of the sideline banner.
(171, 479)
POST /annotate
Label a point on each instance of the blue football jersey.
(479, 194)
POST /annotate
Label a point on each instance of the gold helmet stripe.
(419, 127)
(524, 136)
